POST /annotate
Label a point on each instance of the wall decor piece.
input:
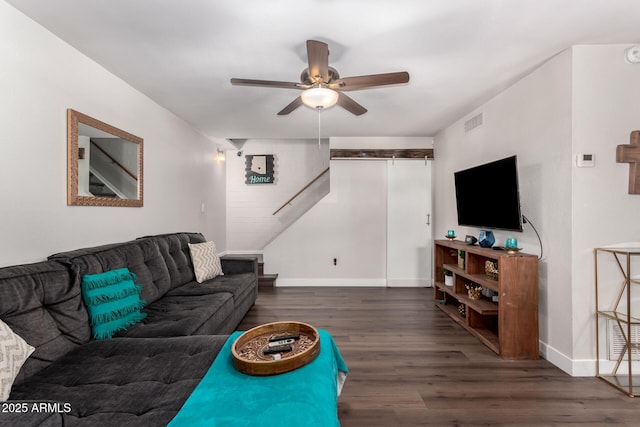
(259, 169)
(104, 164)
(486, 238)
(630, 153)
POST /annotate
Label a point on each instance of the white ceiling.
(459, 53)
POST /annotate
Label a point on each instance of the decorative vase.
(486, 239)
(448, 280)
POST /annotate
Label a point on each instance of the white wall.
(531, 119)
(40, 77)
(584, 100)
(250, 220)
(606, 108)
(349, 224)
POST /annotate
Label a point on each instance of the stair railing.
(117, 163)
(288, 202)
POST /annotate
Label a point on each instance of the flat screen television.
(487, 195)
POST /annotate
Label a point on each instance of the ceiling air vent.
(473, 122)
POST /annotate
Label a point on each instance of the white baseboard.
(575, 368)
(408, 283)
(396, 283)
(607, 367)
(281, 282)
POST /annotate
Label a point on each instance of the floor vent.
(473, 122)
(616, 341)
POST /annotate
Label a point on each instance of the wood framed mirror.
(104, 164)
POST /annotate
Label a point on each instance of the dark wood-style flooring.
(411, 365)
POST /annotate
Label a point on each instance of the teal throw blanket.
(307, 396)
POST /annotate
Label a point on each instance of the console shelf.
(508, 327)
(617, 316)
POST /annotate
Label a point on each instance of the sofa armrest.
(236, 265)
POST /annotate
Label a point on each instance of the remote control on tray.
(285, 337)
(279, 349)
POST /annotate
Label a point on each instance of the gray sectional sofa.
(143, 375)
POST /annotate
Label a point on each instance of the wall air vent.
(617, 343)
(473, 122)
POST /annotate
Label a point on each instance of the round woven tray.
(247, 349)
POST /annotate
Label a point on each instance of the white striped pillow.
(206, 262)
(14, 351)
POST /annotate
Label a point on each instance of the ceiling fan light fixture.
(319, 97)
(632, 54)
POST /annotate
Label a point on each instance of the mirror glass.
(104, 164)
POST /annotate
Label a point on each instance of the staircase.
(99, 188)
(266, 282)
(302, 201)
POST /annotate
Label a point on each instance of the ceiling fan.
(322, 86)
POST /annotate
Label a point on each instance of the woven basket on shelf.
(475, 293)
(491, 269)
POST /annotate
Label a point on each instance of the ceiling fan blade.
(268, 83)
(292, 106)
(318, 57)
(350, 105)
(363, 82)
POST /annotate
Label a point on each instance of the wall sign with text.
(259, 169)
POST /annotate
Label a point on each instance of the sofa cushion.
(31, 419)
(206, 262)
(237, 285)
(141, 257)
(42, 304)
(113, 301)
(182, 315)
(132, 382)
(175, 251)
(14, 351)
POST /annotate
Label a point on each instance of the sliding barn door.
(409, 240)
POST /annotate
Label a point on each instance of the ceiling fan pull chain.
(319, 111)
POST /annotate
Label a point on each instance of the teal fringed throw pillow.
(113, 301)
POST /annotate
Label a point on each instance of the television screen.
(487, 195)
